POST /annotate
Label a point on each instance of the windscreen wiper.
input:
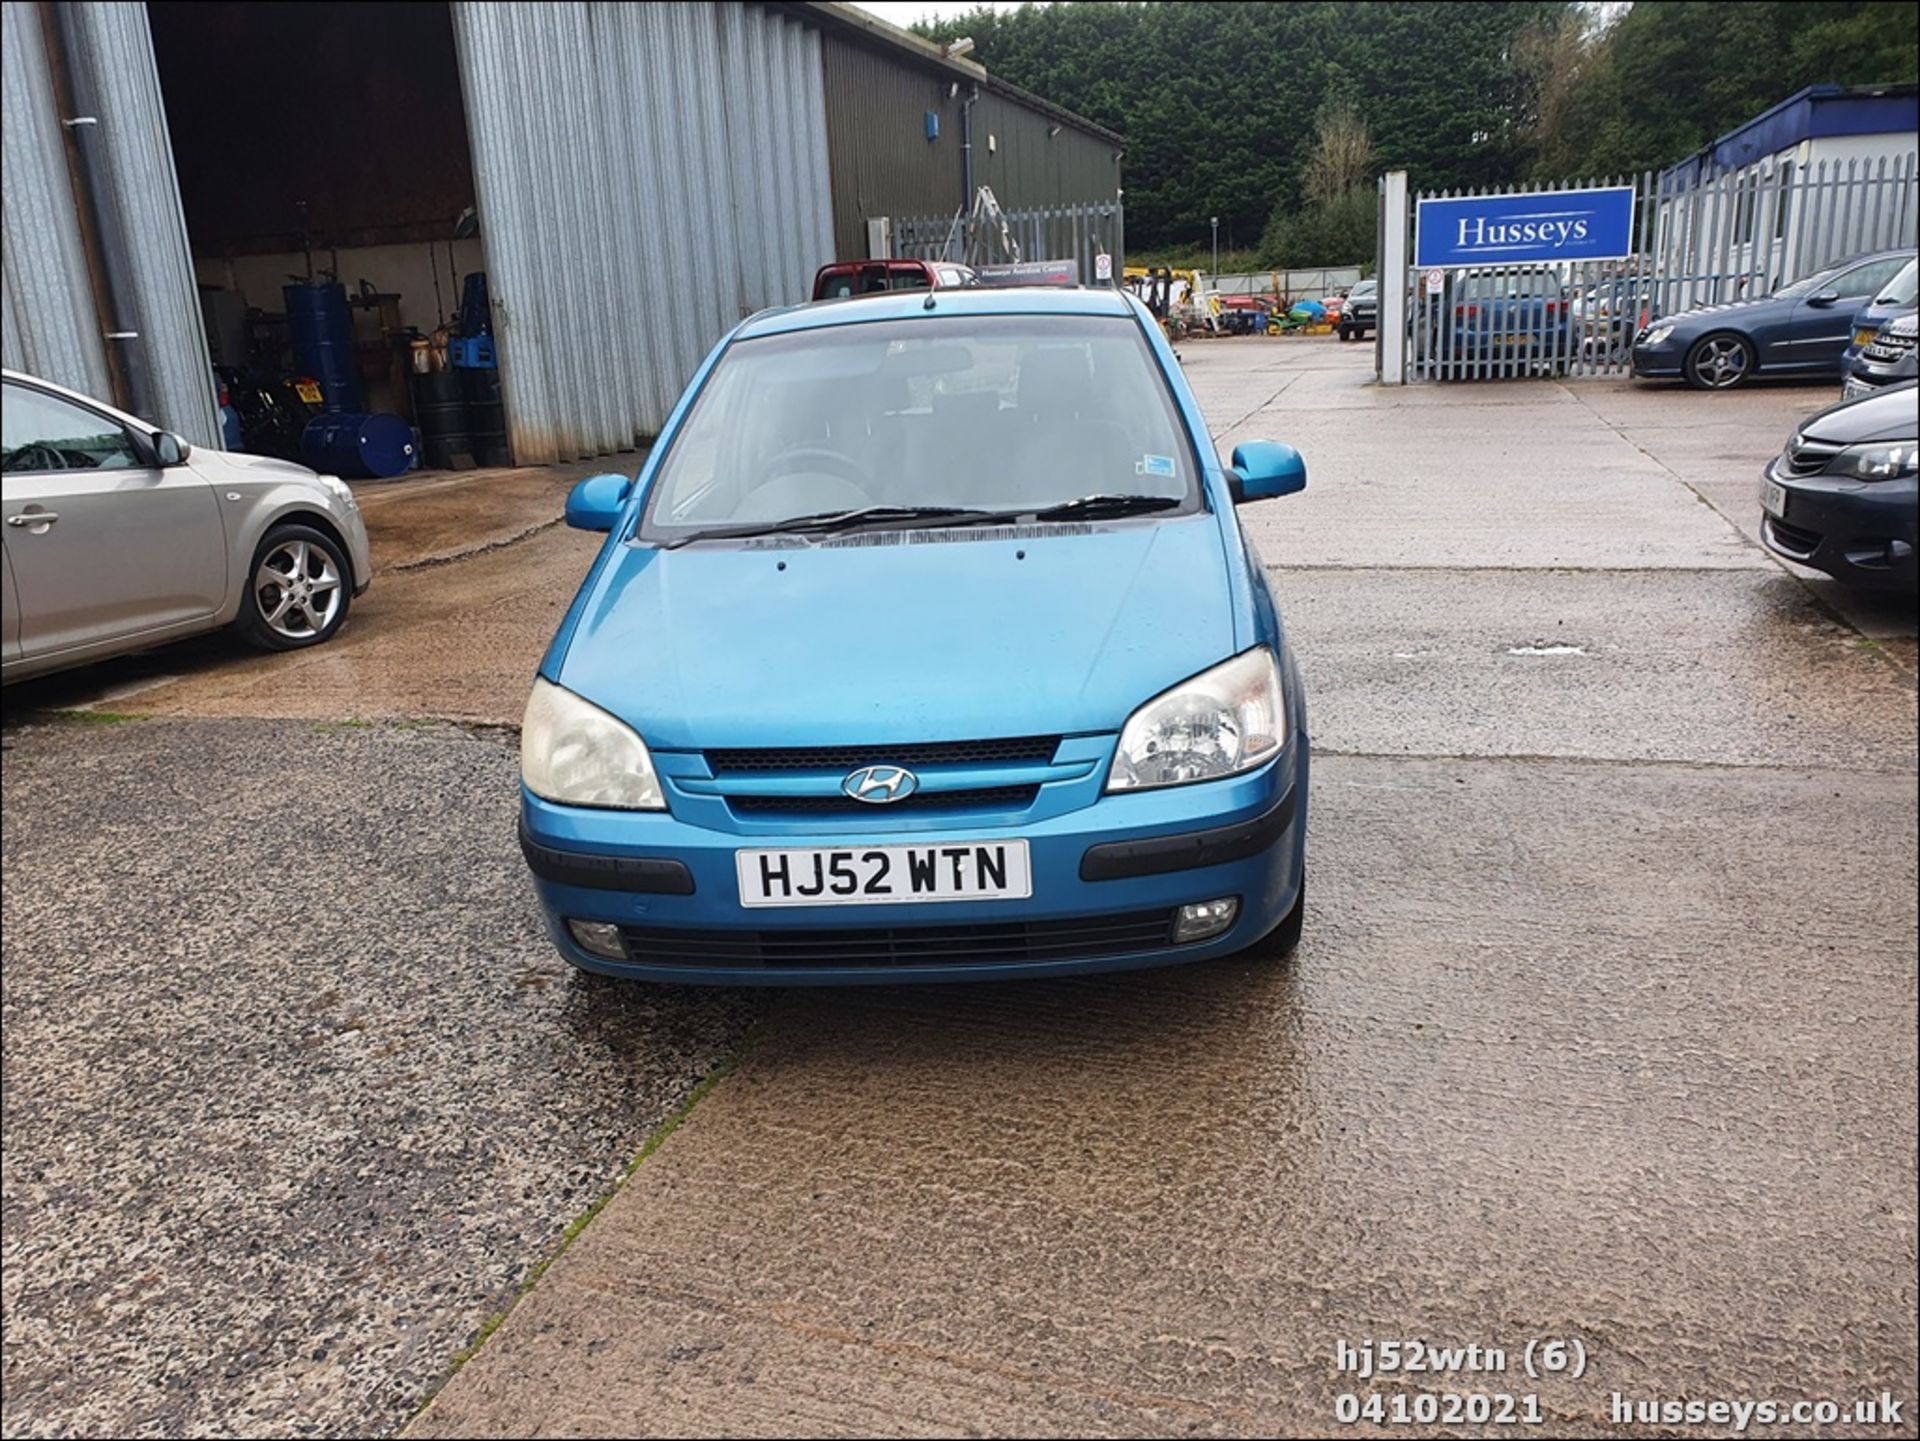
(1090, 507)
(832, 520)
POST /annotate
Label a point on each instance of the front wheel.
(298, 590)
(1346, 332)
(1719, 362)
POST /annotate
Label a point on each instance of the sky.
(904, 12)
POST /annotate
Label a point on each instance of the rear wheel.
(1346, 332)
(1719, 362)
(298, 590)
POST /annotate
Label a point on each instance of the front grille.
(1017, 749)
(1887, 347)
(1793, 538)
(1002, 942)
(1808, 457)
(996, 798)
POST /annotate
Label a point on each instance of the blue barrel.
(360, 447)
(321, 329)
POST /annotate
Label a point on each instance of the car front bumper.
(1657, 362)
(1858, 532)
(1106, 880)
(1861, 376)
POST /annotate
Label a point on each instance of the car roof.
(891, 262)
(914, 304)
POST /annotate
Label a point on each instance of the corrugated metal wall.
(51, 326)
(881, 160)
(1030, 167)
(883, 164)
(114, 58)
(48, 326)
(665, 176)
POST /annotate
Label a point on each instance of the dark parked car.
(1890, 359)
(1879, 354)
(1801, 329)
(1361, 310)
(1842, 498)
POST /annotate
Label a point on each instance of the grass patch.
(580, 1223)
(82, 717)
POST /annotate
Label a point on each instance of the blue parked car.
(1493, 317)
(1801, 329)
(925, 646)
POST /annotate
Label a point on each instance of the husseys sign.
(1546, 225)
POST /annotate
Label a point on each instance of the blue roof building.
(1822, 123)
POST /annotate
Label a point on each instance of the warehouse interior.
(329, 203)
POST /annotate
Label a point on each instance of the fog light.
(1203, 919)
(598, 938)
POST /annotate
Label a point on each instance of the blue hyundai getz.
(926, 646)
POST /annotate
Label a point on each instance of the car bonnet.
(900, 636)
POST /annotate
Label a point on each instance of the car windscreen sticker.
(1155, 465)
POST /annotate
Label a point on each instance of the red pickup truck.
(873, 277)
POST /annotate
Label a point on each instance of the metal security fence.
(1059, 232)
(1739, 236)
(1290, 284)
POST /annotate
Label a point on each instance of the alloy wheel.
(297, 588)
(1721, 361)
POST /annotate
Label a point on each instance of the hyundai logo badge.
(880, 785)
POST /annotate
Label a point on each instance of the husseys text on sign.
(1534, 229)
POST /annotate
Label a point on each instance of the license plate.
(307, 391)
(884, 875)
(1773, 499)
(1863, 337)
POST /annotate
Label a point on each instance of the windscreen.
(1510, 285)
(1810, 284)
(969, 412)
(1903, 288)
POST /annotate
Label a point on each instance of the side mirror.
(596, 502)
(169, 449)
(1263, 469)
(1824, 298)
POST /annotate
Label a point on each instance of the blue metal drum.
(360, 447)
(321, 329)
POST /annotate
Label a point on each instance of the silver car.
(1893, 355)
(119, 536)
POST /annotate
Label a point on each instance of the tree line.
(1277, 117)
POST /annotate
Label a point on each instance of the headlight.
(1223, 721)
(1657, 336)
(1884, 461)
(577, 754)
(339, 489)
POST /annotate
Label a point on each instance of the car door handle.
(34, 517)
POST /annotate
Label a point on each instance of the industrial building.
(1826, 173)
(630, 179)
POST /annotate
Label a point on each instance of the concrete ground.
(1603, 1028)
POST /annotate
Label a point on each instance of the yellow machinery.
(1178, 298)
